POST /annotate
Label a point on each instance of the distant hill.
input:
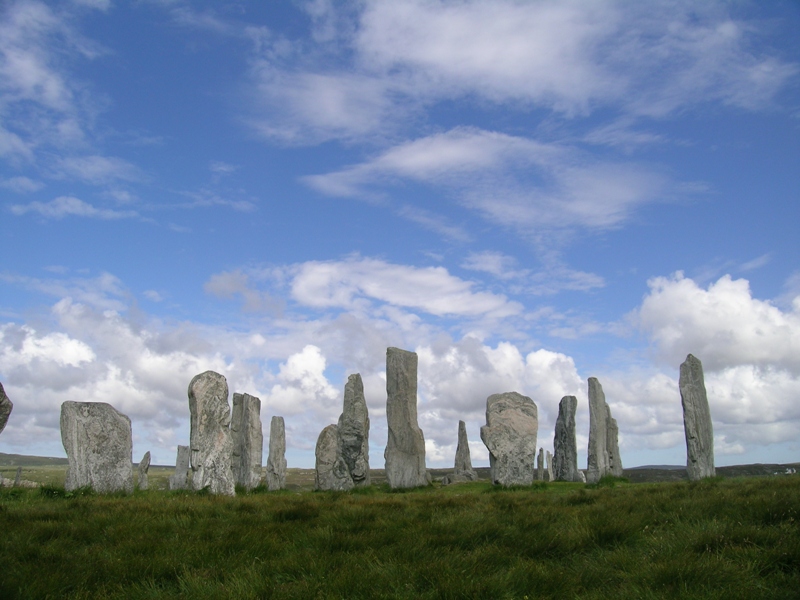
(20, 460)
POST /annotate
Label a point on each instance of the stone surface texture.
(353, 429)
(463, 463)
(604, 458)
(405, 446)
(142, 469)
(696, 420)
(6, 406)
(512, 424)
(331, 471)
(210, 441)
(98, 442)
(565, 445)
(276, 460)
(548, 469)
(540, 465)
(180, 479)
(247, 439)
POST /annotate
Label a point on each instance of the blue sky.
(527, 194)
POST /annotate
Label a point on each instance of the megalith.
(548, 469)
(696, 420)
(180, 479)
(247, 439)
(276, 459)
(565, 445)
(512, 424)
(331, 471)
(210, 436)
(353, 429)
(144, 467)
(98, 442)
(6, 406)
(604, 458)
(540, 465)
(405, 446)
(462, 470)
(612, 439)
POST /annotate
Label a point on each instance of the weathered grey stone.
(144, 467)
(353, 431)
(210, 435)
(604, 458)
(696, 420)
(18, 477)
(6, 406)
(405, 446)
(512, 423)
(463, 463)
(180, 479)
(548, 470)
(276, 459)
(612, 439)
(248, 440)
(582, 476)
(540, 465)
(331, 471)
(565, 445)
(98, 442)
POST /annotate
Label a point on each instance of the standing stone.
(210, 438)
(548, 471)
(353, 431)
(331, 471)
(98, 442)
(696, 420)
(604, 458)
(248, 440)
(540, 465)
(6, 406)
(462, 470)
(180, 479)
(144, 467)
(612, 439)
(512, 423)
(18, 477)
(276, 460)
(565, 445)
(405, 447)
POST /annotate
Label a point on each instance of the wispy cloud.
(65, 206)
(98, 169)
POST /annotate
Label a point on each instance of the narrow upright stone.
(540, 465)
(331, 471)
(98, 442)
(180, 479)
(512, 423)
(405, 447)
(696, 420)
(144, 467)
(248, 440)
(612, 441)
(548, 469)
(18, 477)
(210, 435)
(353, 431)
(6, 406)
(565, 445)
(276, 460)
(604, 458)
(463, 464)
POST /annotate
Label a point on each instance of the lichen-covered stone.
(331, 471)
(210, 438)
(276, 460)
(565, 445)
(180, 479)
(604, 458)
(512, 423)
(463, 463)
(6, 406)
(142, 469)
(405, 446)
(696, 420)
(248, 440)
(98, 442)
(353, 428)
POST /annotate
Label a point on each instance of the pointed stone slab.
(405, 446)
(97, 439)
(276, 460)
(353, 431)
(565, 445)
(696, 420)
(331, 471)
(6, 406)
(512, 423)
(604, 458)
(548, 469)
(143, 468)
(540, 465)
(463, 464)
(248, 440)
(179, 480)
(210, 435)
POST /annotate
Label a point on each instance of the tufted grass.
(726, 539)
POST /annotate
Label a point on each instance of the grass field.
(720, 538)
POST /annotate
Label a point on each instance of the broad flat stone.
(248, 440)
(98, 442)
(604, 458)
(405, 446)
(353, 431)
(276, 460)
(210, 438)
(144, 467)
(565, 445)
(331, 471)
(512, 424)
(463, 463)
(6, 406)
(180, 479)
(696, 420)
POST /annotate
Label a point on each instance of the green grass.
(726, 539)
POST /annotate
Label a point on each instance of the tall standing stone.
(248, 440)
(97, 439)
(144, 467)
(512, 423)
(612, 441)
(565, 445)
(604, 458)
(180, 479)
(331, 471)
(540, 465)
(463, 464)
(696, 420)
(405, 447)
(6, 406)
(548, 470)
(353, 431)
(210, 438)
(276, 460)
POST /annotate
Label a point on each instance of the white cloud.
(21, 185)
(64, 206)
(99, 169)
(230, 283)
